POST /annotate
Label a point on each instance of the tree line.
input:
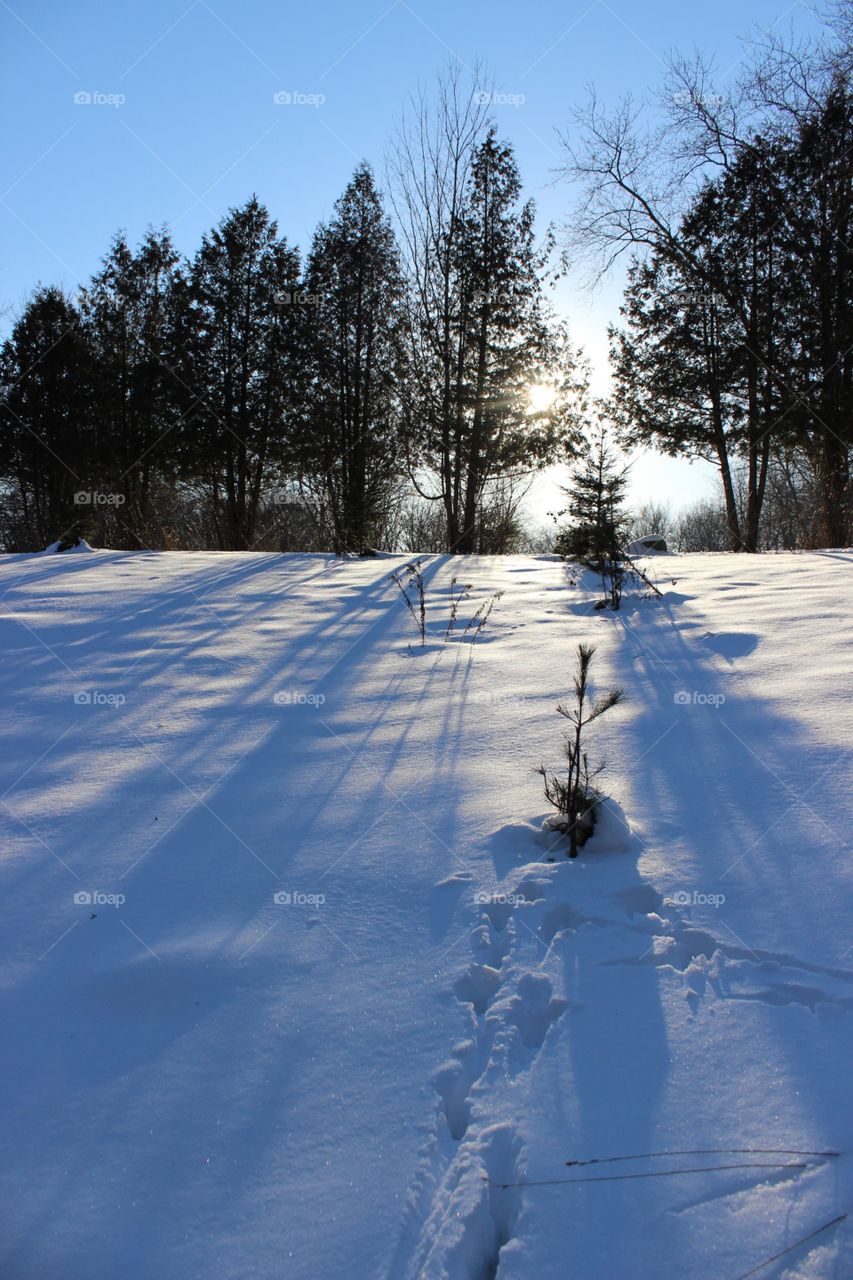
(377, 392)
(248, 398)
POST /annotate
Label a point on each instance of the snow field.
(354, 994)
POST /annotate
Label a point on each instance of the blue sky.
(178, 118)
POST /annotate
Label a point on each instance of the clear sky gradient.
(130, 114)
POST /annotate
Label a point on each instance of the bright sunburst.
(541, 396)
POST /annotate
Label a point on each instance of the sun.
(541, 396)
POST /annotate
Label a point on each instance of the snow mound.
(611, 833)
(59, 548)
(651, 544)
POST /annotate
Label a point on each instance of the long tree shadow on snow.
(196, 873)
(737, 797)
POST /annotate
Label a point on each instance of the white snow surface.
(294, 983)
(57, 547)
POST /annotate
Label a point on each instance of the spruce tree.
(598, 530)
(48, 451)
(349, 454)
(820, 292)
(128, 310)
(241, 367)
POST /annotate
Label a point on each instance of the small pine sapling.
(599, 523)
(575, 796)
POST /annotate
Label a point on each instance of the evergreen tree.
(480, 332)
(240, 367)
(574, 794)
(820, 293)
(509, 340)
(696, 363)
(598, 530)
(350, 452)
(47, 446)
(767, 235)
(130, 324)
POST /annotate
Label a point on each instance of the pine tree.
(480, 331)
(596, 536)
(48, 451)
(574, 795)
(820, 290)
(349, 453)
(128, 310)
(241, 367)
(697, 361)
(510, 341)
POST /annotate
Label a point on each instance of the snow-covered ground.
(292, 985)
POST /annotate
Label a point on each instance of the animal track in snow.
(738, 972)
(477, 986)
(491, 947)
(501, 1160)
(534, 1010)
(476, 989)
(465, 1208)
(559, 919)
(453, 1083)
(640, 900)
